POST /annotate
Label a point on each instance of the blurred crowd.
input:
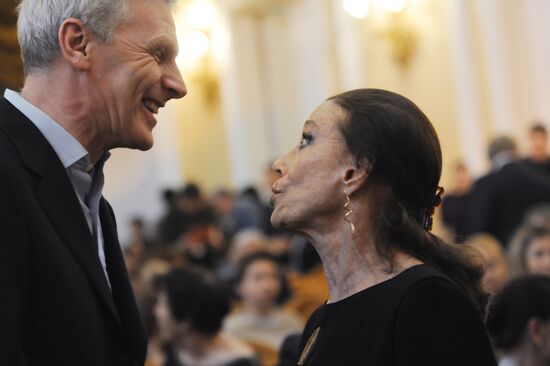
(505, 216)
(218, 285)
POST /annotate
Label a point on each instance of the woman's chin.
(279, 222)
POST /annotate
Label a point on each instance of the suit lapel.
(122, 289)
(56, 196)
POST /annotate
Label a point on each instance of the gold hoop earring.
(349, 213)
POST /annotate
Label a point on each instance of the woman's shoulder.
(424, 288)
(435, 317)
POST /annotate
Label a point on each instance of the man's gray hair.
(39, 22)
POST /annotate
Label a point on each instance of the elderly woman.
(361, 186)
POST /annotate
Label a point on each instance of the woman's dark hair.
(198, 297)
(395, 138)
(522, 299)
(247, 261)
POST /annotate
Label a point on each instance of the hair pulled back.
(391, 134)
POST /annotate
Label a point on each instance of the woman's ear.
(355, 176)
(74, 38)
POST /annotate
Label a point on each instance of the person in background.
(529, 251)
(190, 308)
(260, 320)
(236, 213)
(222, 203)
(202, 244)
(496, 267)
(362, 185)
(538, 159)
(519, 322)
(194, 206)
(170, 225)
(455, 203)
(138, 235)
(500, 199)
(538, 215)
(244, 243)
(97, 73)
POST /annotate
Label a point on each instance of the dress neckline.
(374, 287)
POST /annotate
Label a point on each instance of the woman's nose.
(280, 166)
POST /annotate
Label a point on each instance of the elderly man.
(97, 71)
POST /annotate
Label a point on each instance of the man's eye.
(159, 57)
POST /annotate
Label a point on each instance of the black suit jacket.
(56, 307)
(499, 200)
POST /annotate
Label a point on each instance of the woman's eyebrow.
(311, 123)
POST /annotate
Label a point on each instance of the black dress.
(419, 317)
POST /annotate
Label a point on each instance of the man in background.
(538, 150)
(97, 71)
(499, 200)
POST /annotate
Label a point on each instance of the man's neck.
(65, 107)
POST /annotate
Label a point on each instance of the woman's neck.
(351, 262)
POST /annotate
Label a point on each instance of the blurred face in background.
(463, 180)
(539, 146)
(261, 284)
(496, 270)
(537, 256)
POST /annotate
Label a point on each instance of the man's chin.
(142, 145)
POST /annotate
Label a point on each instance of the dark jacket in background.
(499, 200)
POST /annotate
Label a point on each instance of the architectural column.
(537, 57)
(349, 46)
(467, 91)
(495, 66)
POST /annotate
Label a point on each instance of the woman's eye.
(306, 139)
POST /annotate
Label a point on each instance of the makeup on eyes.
(305, 140)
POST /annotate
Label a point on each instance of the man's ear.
(355, 176)
(73, 41)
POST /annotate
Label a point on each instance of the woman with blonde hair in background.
(494, 261)
(529, 251)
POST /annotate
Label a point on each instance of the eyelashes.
(305, 140)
